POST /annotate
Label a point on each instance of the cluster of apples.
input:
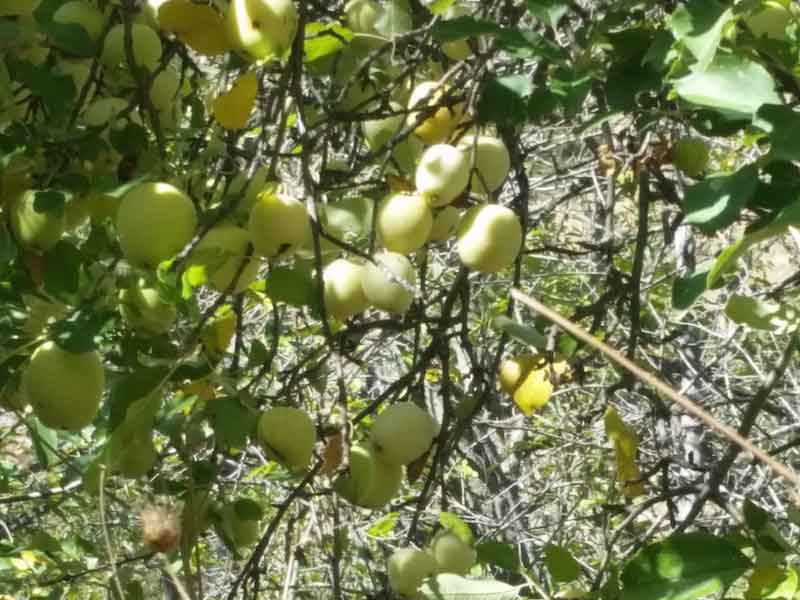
(528, 379)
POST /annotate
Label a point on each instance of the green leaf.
(131, 140)
(127, 391)
(294, 285)
(686, 290)
(70, 38)
(79, 331)
(45, 442)
(56, 91)
(231, 421)
(699, 24)
(383, 526)
(760, 314)
(439, 7)
(783, 125)
(524, 333)
(683, 567)
(62, 269)
(504, 100)
(248, 510)
(549, 11)
(324, 39)
(731, 84)
(755, 517)
(561, 564)
(453, 523)
(772, 583)
(498, 554)
(716, 202)
(463, 27)
(352, 214)
(447, 586)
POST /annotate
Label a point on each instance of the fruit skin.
(514, 370)
(489, 238)
(278, 224)
(404, 222)
(691, 156)
(277, 26)
(439, 126)
(146, 46)
(343, 292)
(154, 222)
(241, 531)
(445, 224)
(402, 433)
(527, 379)
(770, 20)
(64, 388)
(378, 132)
(452, 554)
(221, 251)
(38, 231)
(83, 14)
(384, 293)
(370, 482)
(164, 89)
(492, 162)
(288, 435)
(442, 174)
(408, 568)
(143, 308)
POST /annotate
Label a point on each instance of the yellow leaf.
(197, 25)
(232, 109)
(626, 443)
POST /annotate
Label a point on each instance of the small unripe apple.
(146, 46)
(386, 482)
(403, 222)
(221, 252)
(452, 554)
(343, 291)
(445, 224)
(440, 125)
(154, 222)
(361, 17)
(691, 156)
(164, 89)
(34, 230)
(442, 174)
(378, 132)
(238, 523)
(262, 28)
(408, 569)
(288, 436)
(81, 13)
(381, 286)
(489, 238)
(278, 224)
(64, 388)
(769, 19)
(104, 111)
(143, 308)
(402, 433)
(492, 162)
(137, 457)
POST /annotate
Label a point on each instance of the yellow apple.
(514, 370)
(403, 222)
(442, 174)
(402, 433)
(439, 126)
(164, 89)
(278, 224)
(445, 224)
(526, 378)
(64, 388)
(288, 435)
(154, 222)
(408, 569)
(238, 524)
(343, 292)
(381, 282)
(489, 238)
(221, 252)
(369, 482)
(34, 230)
(452, 554)
(491, 159)
(146, 46)
(262, 28)
(378, 132)
(81, 13)
(143, 308)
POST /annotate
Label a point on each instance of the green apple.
(146, 46)
(142, 307)
(489, 238)
(238, 523)
(137, 457)
(408, 569)
(149, 14)
(262, 28)
(403, 222)
(445, 224)
(343, 292)
(278, 224)
(442, 174)
(64, 388)
(80, 12)
(221, 252)
(378, 132)
(452, 554)
(288, 435)
(361, 17)
(369, 482)
(491, 159)
(34, 230)
(691, 156)
(440, 125)
(164, 89)
(769, 19)
(154, 223)
(402, 433)
(381, 282)
(104, 111)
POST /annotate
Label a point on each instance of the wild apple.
(402, 433)
(452, 554)
(408, 569)
(79, 12)
(262, 28)
(439, 126)
(278, 224)
(239, 522)
(343, 291)
(221, 252)
(142, 307)
(34, 229)
(288, 436)
(361, 17)
(389, 282)
(403, 222)
(489, 238)
(146, 46)
(458, 49)
(691, 156)
(136, 457)
(442, 174)
(491, 159)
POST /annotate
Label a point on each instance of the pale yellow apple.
(369, 482)
(288, 435)
(489, 238)
(378, 132)
(403, 222)
(452, 554)
(34, 230)
(442, 174)
(80, 12)
(343, 292)
(408, 568)
(154, 223)
(445, 224)
(64, 388)
(221, 252)
(164, 89)
(278, 224)
(491, 160)
(402, 433)
(389, 282)
(146, 46)
(142, 307)
(440, 125)
(262, 28)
